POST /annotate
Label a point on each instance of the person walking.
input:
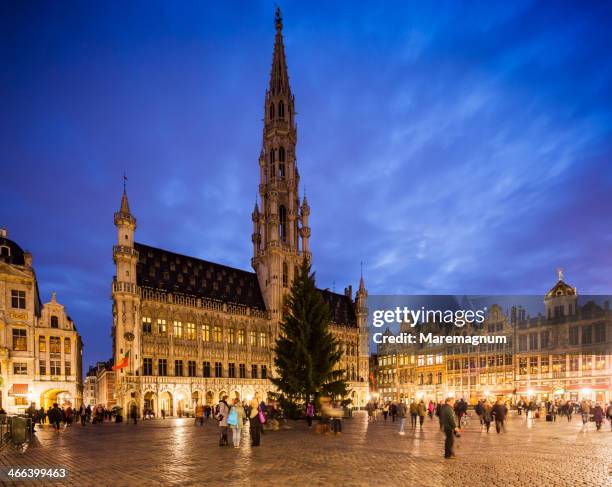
(393, 411)
(413, 414)
(421, 411)
(385, 411)
(449, 426)
(402, 412)
(487, 414)
(430, 409)
(255, 423)
(199, 414)
(235, 421)
(55, 416)
(500, 411)
(584, 411)
(134, 413)
(598, 415)
(221, 417)
(310, 414)
(609, 414)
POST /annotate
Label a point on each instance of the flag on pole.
(123, 362)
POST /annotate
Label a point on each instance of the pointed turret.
(125, 205)
(279, 79)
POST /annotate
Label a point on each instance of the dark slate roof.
(170, 272)
(15, 251)
(341, 306)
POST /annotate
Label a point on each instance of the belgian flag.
(123, 362)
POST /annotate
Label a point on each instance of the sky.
(460, 148)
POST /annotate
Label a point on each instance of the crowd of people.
(64, 416)
(452, 415)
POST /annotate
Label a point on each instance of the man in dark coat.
(55, 416)
(449, 425)
(500, 411)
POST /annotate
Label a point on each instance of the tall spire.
(279, 79)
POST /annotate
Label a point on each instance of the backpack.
(232, 419)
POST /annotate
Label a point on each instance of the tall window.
(20, 339)
(241, 335)
(600, 332)
(217, 334)
(285, 275)
(263, 339)
(206, 333)
(282, 217)
(271, 111)
(281, 154)
(253, 338)
(178, 368)
(42, 367)
(146, 325)
(67, 367)
(264, 371)
(54, 322)
(178, 329)
(573, 335)
(191, 333)
(67, 346)
(206, 369)
(162, 367)
(55, 367)
(281, 109)
(147, 366)
(232, 370)
(254, 371)
(218, 369)
(242, 371)
(191, 368)
(162, 329)
(231, 335)
(42, 344)
(55, 345)
(586, 334)
(18, 299)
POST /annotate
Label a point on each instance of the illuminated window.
(206, 333)
(217, 334)
(55, 367)
(191, 331)
(162, 329)
(420, 360)
(231, 335)
(253, 338)
(430, 360)
(20, 339)
(55, 345)
(241, 335)
(263, 339)
(178, 330)
(67, 346)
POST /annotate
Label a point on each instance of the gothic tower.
(126, 300)
(282, 222)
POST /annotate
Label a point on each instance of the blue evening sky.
(459, 148)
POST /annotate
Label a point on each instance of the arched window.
(281, 109)
(285, 275)
(281, 154)
(272, 159)
(5, 251)
(282, 214)
(281, 170)
(271, 111)
(54, 322)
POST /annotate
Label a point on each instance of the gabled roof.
(176, 273)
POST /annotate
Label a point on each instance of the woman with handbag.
(255, 421)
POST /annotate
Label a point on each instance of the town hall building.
(194, 331)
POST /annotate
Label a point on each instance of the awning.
(19, 390)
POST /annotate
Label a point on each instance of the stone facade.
(563, 353)
(40, 348)
(195, 330)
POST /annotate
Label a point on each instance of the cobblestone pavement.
(175, 452)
